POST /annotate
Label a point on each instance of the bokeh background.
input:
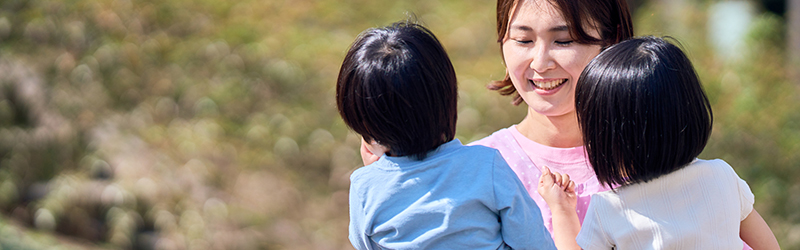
(207, 124)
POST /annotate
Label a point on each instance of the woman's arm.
(559, 193)
(756, 233)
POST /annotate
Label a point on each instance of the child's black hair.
(642, 111)
(398, 87)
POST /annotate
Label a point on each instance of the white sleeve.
(592, 235)
(746, 198)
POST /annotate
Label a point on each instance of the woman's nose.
(542, 60)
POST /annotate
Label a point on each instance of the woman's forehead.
(539, 6)
(530, 13)
(546, 15)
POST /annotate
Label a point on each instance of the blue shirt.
(459, 197)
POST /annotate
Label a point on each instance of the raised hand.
(557, 189)
(559, 193)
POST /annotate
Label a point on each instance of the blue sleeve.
(357, 236)
(522, 226)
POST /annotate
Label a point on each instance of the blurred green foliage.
(211, 124)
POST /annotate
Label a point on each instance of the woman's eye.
(523, 41)
(564, 43)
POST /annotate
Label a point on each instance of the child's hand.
(557, 190)
(559, 193)
(371, 152)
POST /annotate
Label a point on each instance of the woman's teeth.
(548, 85)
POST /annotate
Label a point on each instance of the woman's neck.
(554, 131)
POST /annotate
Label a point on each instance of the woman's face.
(541, 58)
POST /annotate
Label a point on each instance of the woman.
(545, 46)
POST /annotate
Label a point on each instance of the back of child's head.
(398, 87)
(642, 111)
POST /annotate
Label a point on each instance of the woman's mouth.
(547, 85)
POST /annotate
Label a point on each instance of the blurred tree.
(775, 6)
(673, 12)
(635, 4)
(793, 28)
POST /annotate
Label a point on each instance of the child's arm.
(371, 152)
(559, 193)
(756, 233)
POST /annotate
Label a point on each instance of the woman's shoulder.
(496, 138)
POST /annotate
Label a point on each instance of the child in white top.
(645, 119)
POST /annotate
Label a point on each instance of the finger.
(547, 177)
(571, 187)
(565, 181)
(558, 178)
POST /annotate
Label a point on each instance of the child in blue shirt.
(421, 188)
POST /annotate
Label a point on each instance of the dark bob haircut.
(398, 87)
(611, 18)
(642, 111)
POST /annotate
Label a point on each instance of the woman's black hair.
(642, 111)
(398, 87)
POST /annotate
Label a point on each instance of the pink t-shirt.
(527, 158)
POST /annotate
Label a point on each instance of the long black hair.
(642, 111)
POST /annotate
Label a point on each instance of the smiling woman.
(545, 45)
(543, 60)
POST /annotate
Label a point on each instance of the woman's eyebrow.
(526, 28)
(559, 28)
(521, 28)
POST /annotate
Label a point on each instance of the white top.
(700, 206)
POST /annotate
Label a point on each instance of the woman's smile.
(547, 84)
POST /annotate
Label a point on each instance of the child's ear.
(378, 149)
(372, 151)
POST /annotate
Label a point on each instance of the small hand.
(557, 189)
(371, 152)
